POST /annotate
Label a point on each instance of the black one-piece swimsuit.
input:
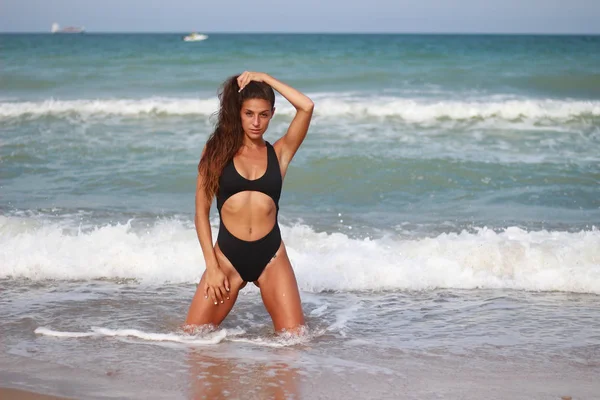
(250, 258)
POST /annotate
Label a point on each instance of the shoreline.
(7, 393)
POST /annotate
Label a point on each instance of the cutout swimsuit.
(250, 258)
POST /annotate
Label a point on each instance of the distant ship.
(69, 29)
(195, 37)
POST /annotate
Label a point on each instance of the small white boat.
(69, 29)
(195, 37)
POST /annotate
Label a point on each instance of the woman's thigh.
(202, 310)
(279, 291)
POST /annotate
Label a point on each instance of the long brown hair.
(228, 136)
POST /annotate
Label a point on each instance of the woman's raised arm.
(293, 138)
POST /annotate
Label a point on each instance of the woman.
(245, 173)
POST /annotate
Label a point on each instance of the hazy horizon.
(548, 17)
(87, 32)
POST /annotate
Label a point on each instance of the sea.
(442, 217)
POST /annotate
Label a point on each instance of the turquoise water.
(490, 131)
(446, 181)
(136, 65)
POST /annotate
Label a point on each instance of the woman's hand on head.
(248, 76)
(216, 285)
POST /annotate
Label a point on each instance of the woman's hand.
(216, 284)
(246, 77)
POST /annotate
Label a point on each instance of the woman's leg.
(202, 310)
(279, 291)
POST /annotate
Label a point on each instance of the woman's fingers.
(246, 77)
(223, 293)
(213, 297)
(226, 283)
(218, 294)
(242, 80)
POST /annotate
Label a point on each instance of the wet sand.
(17, 394)
(290, 373)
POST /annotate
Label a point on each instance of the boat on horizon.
(69, 29)
(195, 37)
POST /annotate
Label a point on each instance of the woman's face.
(256, 114)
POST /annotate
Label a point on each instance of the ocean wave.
(121, 107)
(412, 110)
(208, 338)
(169, 252)
(197, 337)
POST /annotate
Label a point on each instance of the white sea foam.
(169, 252)
(285, 339)
(215, 337)
(124, 107)
(413, 110)
(203, 339)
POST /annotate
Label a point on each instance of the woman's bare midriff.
(249, 215)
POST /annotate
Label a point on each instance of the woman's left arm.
(293, 138)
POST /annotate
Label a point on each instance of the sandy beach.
(16, 394)
(290, 374)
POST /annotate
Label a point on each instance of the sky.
(352, 16)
